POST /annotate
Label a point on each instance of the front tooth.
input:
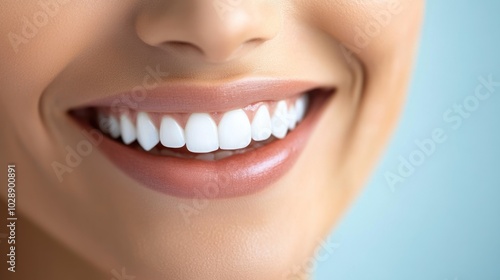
(127, 129)
(171, 133)
(279, 120)
(235, 131)
(147, 134)
(114, 127)
(261, 124)
(201, 133)
(301, 107)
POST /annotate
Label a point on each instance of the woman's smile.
(241, 136)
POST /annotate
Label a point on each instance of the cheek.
(41, 40)
(367, 29)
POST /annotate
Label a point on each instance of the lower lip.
(234, 176)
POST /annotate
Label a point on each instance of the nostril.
(254, 42)
(182, 47)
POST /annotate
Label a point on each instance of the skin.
(97, 220)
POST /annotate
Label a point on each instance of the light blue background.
(442, 222)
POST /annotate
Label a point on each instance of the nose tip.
(203, 31)
(222, 39)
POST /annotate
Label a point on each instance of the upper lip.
(179, 97)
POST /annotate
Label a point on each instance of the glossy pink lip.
(237, 175)
(176, 97)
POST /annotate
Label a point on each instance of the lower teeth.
(216, 155)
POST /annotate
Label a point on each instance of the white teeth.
(235, 131)
(201, 133)
(301, 107)
(279, 120)
(114, 127)
(127, 129)
(171, 133)
(261, 124)
(147, 134)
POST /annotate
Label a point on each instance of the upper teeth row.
(201, 134)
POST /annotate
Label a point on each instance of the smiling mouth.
(216, 142)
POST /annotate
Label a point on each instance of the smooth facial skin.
(99, 220)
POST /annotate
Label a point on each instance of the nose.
(214, 30)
